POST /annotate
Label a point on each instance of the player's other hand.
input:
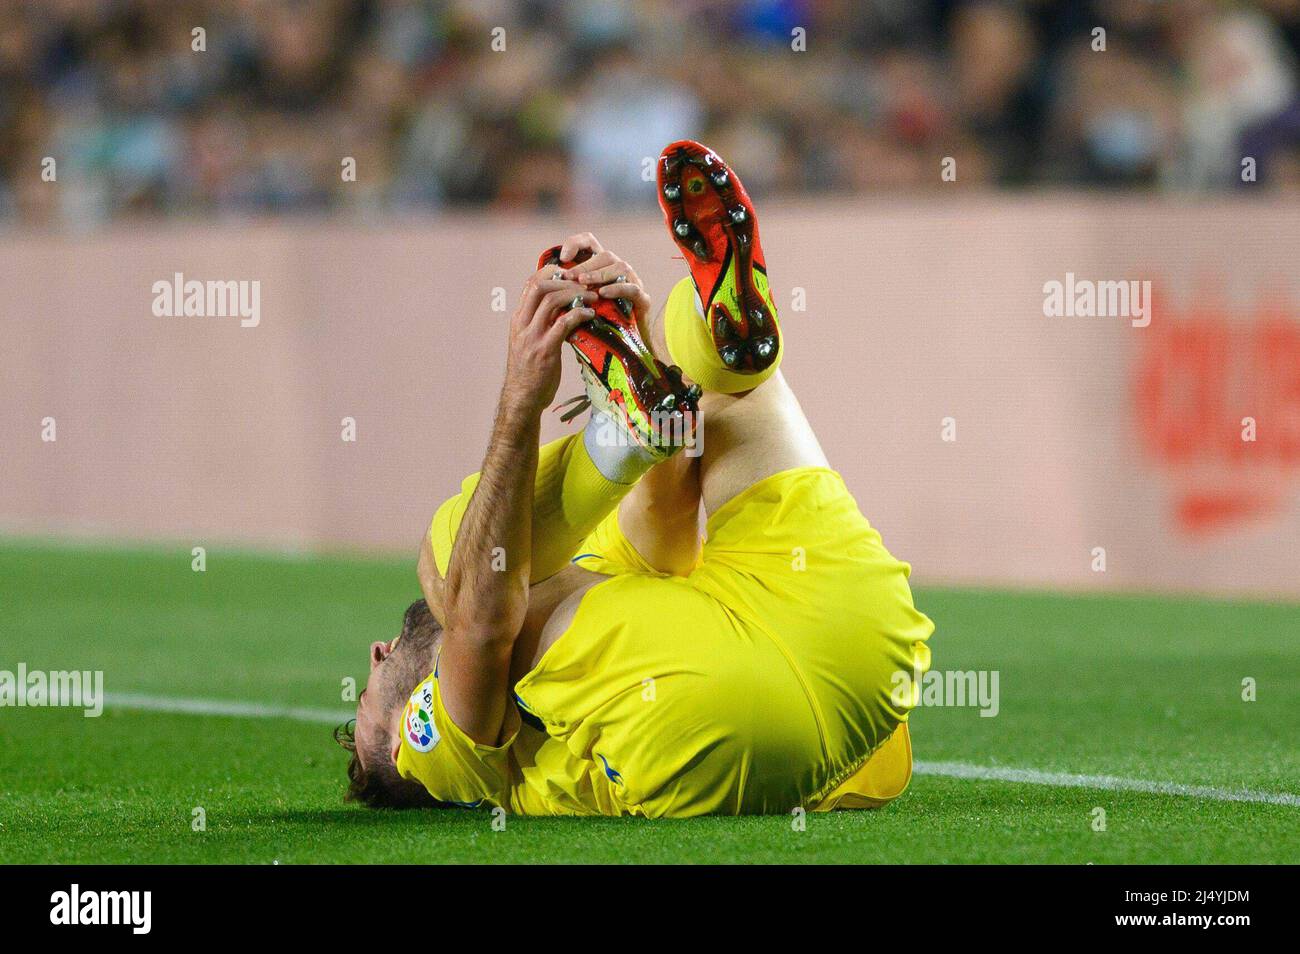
(544, 318)
(604, 271)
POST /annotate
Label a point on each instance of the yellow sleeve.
(449, 764)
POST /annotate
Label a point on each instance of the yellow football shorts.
(762, 682)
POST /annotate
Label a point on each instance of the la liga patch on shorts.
(417, 720)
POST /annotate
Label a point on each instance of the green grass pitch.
(1134, 687)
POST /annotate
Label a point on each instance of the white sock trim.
(614, 451)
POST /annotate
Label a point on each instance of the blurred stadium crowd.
(413, 90)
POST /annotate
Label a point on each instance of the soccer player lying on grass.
(578, 651)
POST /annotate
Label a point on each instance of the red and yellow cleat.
(711, 218)
(624, 380)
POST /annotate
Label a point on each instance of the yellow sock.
(691, 345)
(571, 496)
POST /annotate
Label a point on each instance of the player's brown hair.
(380, 785)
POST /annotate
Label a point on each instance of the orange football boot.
(623, 379)
(711, 218)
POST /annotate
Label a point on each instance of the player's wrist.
(520, 406)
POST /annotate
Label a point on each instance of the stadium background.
(438, 119)
(910, 301)
(1122, 164)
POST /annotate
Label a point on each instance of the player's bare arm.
(542, 283)
(485, 594)
(660, 516)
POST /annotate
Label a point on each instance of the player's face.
(369, 703)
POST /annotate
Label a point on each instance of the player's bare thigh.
(747, 436)
(753, 435)
(556, 601)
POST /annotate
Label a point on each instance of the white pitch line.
(965, 770)
(221, 707)
(1112, 783)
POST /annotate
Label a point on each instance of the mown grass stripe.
(1114, 783)
(961, 770)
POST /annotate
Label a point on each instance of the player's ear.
(397, 746)
(379, 652)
